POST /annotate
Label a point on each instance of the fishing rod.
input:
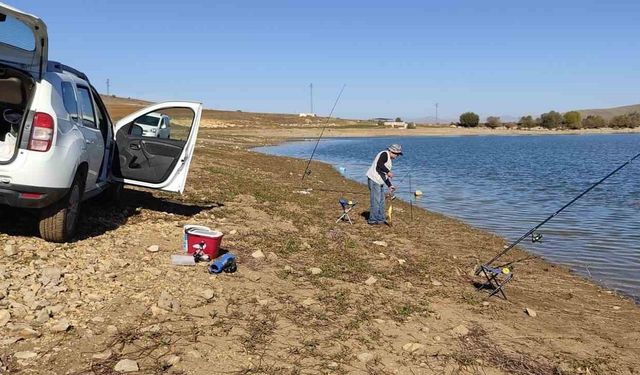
(306, 169)
(537, 237)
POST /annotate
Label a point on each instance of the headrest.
(11, 91)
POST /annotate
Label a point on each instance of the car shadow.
(98, 217)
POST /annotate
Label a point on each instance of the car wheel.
(58, 222)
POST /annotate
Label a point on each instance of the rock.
(167, 302)
(258, 254)
(126, 365)
(155, 311)
(272, 257)
(103, 355)
(380, 243)
(25, 355)
(62, 325)
(435, 282)
(371, 280)
(333, 365)
(412, 347)
(43, 316)
(531, 312)
(24, 331)
(308, 302)
(153, 248)
(460, 330)
(9, 250)
(314, 270)
(382, 256)
(233, 231)
(172, 360)
(379, 321)
(97, 319)
(112, 329)
(5, 316)
(207, 294)
(51, 276)
(288, 269)
(485, 303)
(401, 261)
(616, 307)
(254, 276)
(366, 357)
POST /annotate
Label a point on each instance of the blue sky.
(397, 58)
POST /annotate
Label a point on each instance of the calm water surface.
(507, 184)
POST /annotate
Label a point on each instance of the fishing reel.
(536, 237)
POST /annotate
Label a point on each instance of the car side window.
(69, 99)
(88, 113)
(172, 124)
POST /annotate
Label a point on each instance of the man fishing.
(379, 175)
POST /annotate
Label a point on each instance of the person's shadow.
(97, 217)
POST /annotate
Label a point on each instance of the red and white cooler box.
(194, 235)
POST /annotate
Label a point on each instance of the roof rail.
(54, 66)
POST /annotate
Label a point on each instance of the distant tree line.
(555, 120)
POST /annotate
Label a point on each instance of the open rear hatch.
(23, 41)
(23, 60)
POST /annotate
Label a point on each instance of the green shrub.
(594, 122)
(572, 119)
(551, 120)
(527, 122)
(469, 119)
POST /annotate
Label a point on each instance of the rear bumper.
(29, 196)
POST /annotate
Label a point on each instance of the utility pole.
(436, 113)
(311, 96)
(108, 87)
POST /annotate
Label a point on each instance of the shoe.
(374, 222)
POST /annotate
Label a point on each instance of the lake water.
(508, 184)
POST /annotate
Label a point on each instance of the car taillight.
(41, 132)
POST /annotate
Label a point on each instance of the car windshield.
(148, 120)
(16, 34)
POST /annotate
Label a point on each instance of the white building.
(396, 124)
(307, 115)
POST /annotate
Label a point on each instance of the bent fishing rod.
(306, 169)
(536, 237)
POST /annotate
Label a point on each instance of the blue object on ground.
(225, 262)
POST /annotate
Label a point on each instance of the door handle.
(89, 141)
(134, 146)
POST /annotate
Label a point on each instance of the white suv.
(58, 146)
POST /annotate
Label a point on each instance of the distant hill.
(609, 113)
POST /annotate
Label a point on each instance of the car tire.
(59, 221)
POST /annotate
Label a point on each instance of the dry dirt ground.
(322, 298)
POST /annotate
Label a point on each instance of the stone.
(167, 302)
(126, 365)
(24, 331)
(9, 250)
(380, 243)
(258, 254)
(51, 276)
(62, 325)
(333, 365)
(43, 316)
(616, 307)
(379, 321)
(5, 316)
(155, 311)
(531, 312)
(172, 360)
(366, 357)
(25, 355)
(371, 280)
(233, 231)
(254, 276)
(435, 282)
(382, 256)
(401, 261)
(207, 294)
(103, 355)
(412, 347)
(460, 330)
(153, 248)
(272, 257)
(315, 270)
(308, 302)
(97, 319)
(288, 269)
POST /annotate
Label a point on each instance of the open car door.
(144, 154)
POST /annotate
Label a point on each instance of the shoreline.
(633, 298)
